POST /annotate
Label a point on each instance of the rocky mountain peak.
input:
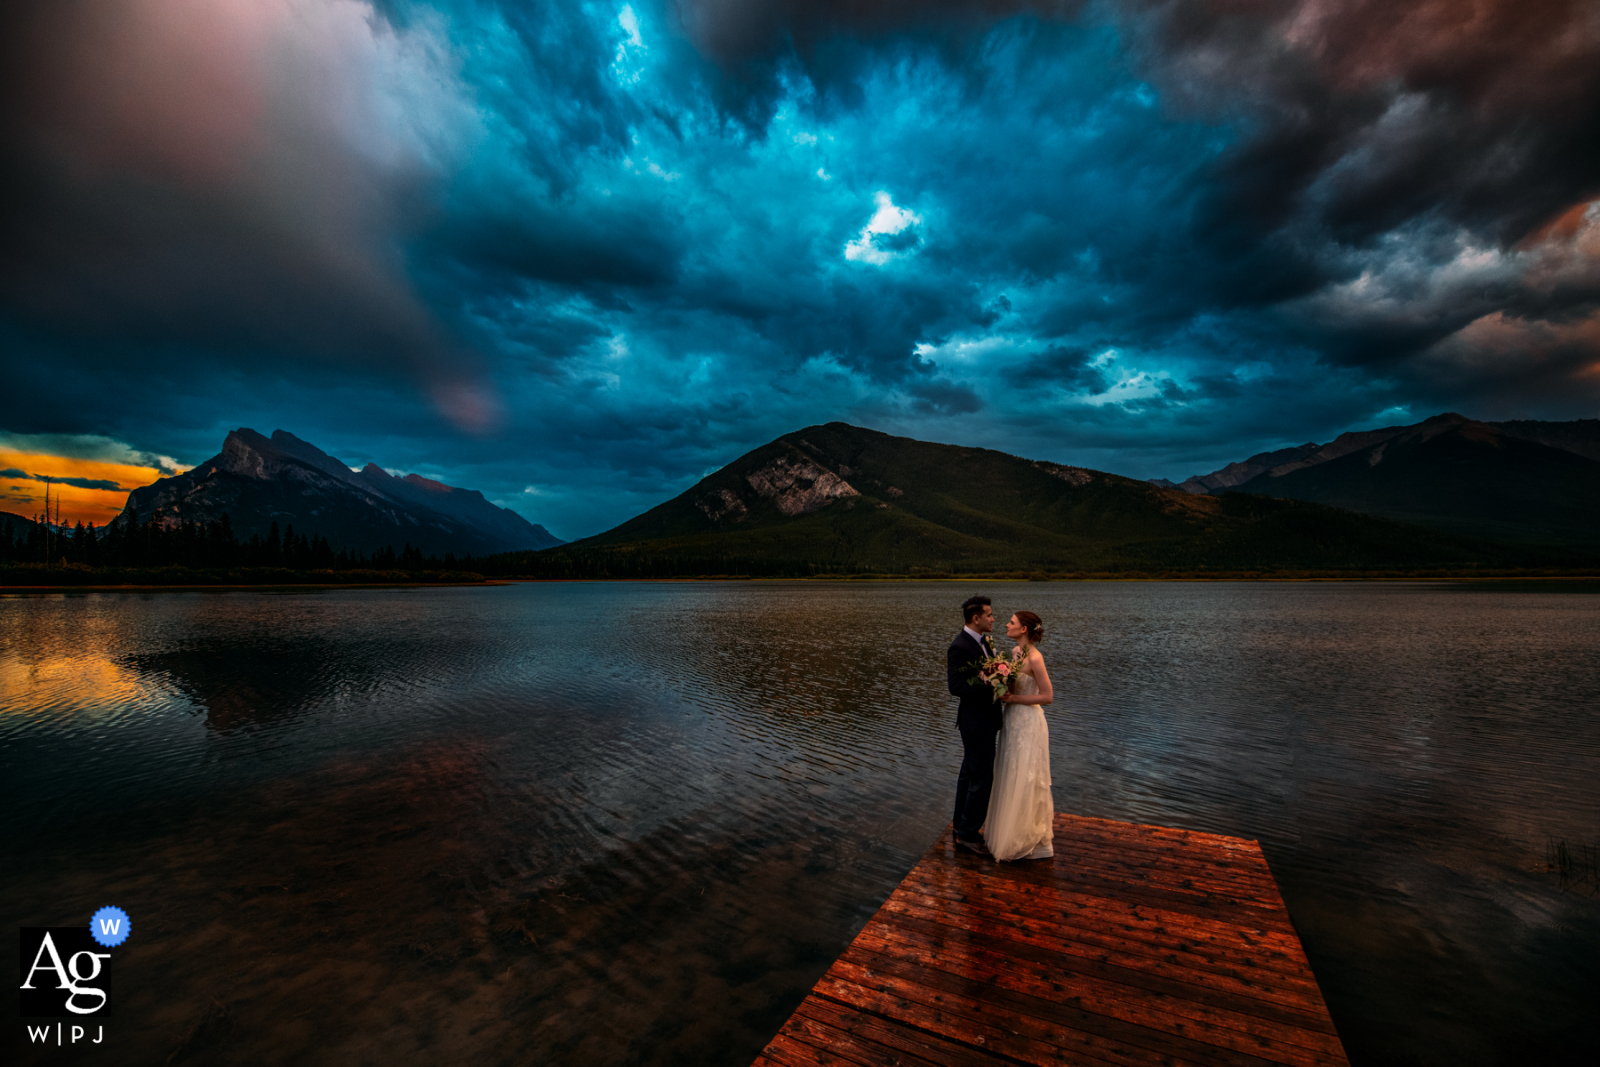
(259, 481)
(252, 455)
(310, 455)
(417, 481)
(798, 485)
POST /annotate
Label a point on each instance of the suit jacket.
(978, 709)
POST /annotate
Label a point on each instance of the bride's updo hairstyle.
(1034, 624)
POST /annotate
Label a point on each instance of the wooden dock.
(1135, 945)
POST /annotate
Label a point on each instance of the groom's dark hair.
(972, 608)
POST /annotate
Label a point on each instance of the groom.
(978, 718)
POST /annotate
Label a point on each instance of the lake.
(632, 823)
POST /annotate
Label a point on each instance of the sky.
(580, 255)
(80, 477)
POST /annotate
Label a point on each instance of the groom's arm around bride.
(978, 717)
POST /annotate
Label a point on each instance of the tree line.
(168, 551)
(160, 541)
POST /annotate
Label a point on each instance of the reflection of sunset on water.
(101, 487)
(63, 658)
(65, 683)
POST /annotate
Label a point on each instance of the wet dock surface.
(1134, 945)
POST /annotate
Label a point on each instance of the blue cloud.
(642, 238)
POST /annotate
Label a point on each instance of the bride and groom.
(1003, 804)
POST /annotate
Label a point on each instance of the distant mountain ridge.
(840, 499)
(258, 481)
(1526, 481)
(1581, 437)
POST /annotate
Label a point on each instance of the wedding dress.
(1020, 810)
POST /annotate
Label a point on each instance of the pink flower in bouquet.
(995, 672)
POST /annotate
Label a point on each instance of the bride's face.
(1015, 629)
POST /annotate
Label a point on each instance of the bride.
(1020, 811)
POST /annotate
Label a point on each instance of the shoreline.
(1384, 577)
(236, 586)
(1244, 576)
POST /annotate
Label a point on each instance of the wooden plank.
(1192, 902)
(1176, 883)
(1019, 1036)
(1168, 862)
(1065, 952)
(1174, 1011)
(1136, 831)
(784, 1051)
(1065, 1023)
(1236, 946)
(1166, 869)
(1135, 946)
(1206, 848)
(1096, 841)
(1186, 986)
(1061, 904)
(1196, 959)
(966, 887)
(825, 1022)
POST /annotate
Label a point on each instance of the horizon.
(579, 259)
(87, 498)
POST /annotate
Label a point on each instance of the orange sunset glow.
(101, 491)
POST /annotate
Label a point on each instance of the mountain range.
(838, 499)
(1524, 482)
(1448, 492)
(258, 481)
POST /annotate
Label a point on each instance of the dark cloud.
(734, 30)
(626, 242)
(1071, 368)
(81, 483)
(608, 249)
(944, 397)
(1371, 111)
(88, 483)
(1374, 113)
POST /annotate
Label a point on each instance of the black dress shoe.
(973, 846)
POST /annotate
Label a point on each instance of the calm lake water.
(633, 823)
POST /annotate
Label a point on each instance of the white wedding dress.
(1021, 814)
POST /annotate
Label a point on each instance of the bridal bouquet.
(995, 672)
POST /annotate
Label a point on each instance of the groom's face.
(983, 622)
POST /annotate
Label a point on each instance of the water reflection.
(239, 687)
(633, 823)
(32, 684)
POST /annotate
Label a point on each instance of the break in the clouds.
(579, 255)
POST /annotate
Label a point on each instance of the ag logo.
(64, 973)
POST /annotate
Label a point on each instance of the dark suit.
(978, 718)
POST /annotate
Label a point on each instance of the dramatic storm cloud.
(577, 256)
